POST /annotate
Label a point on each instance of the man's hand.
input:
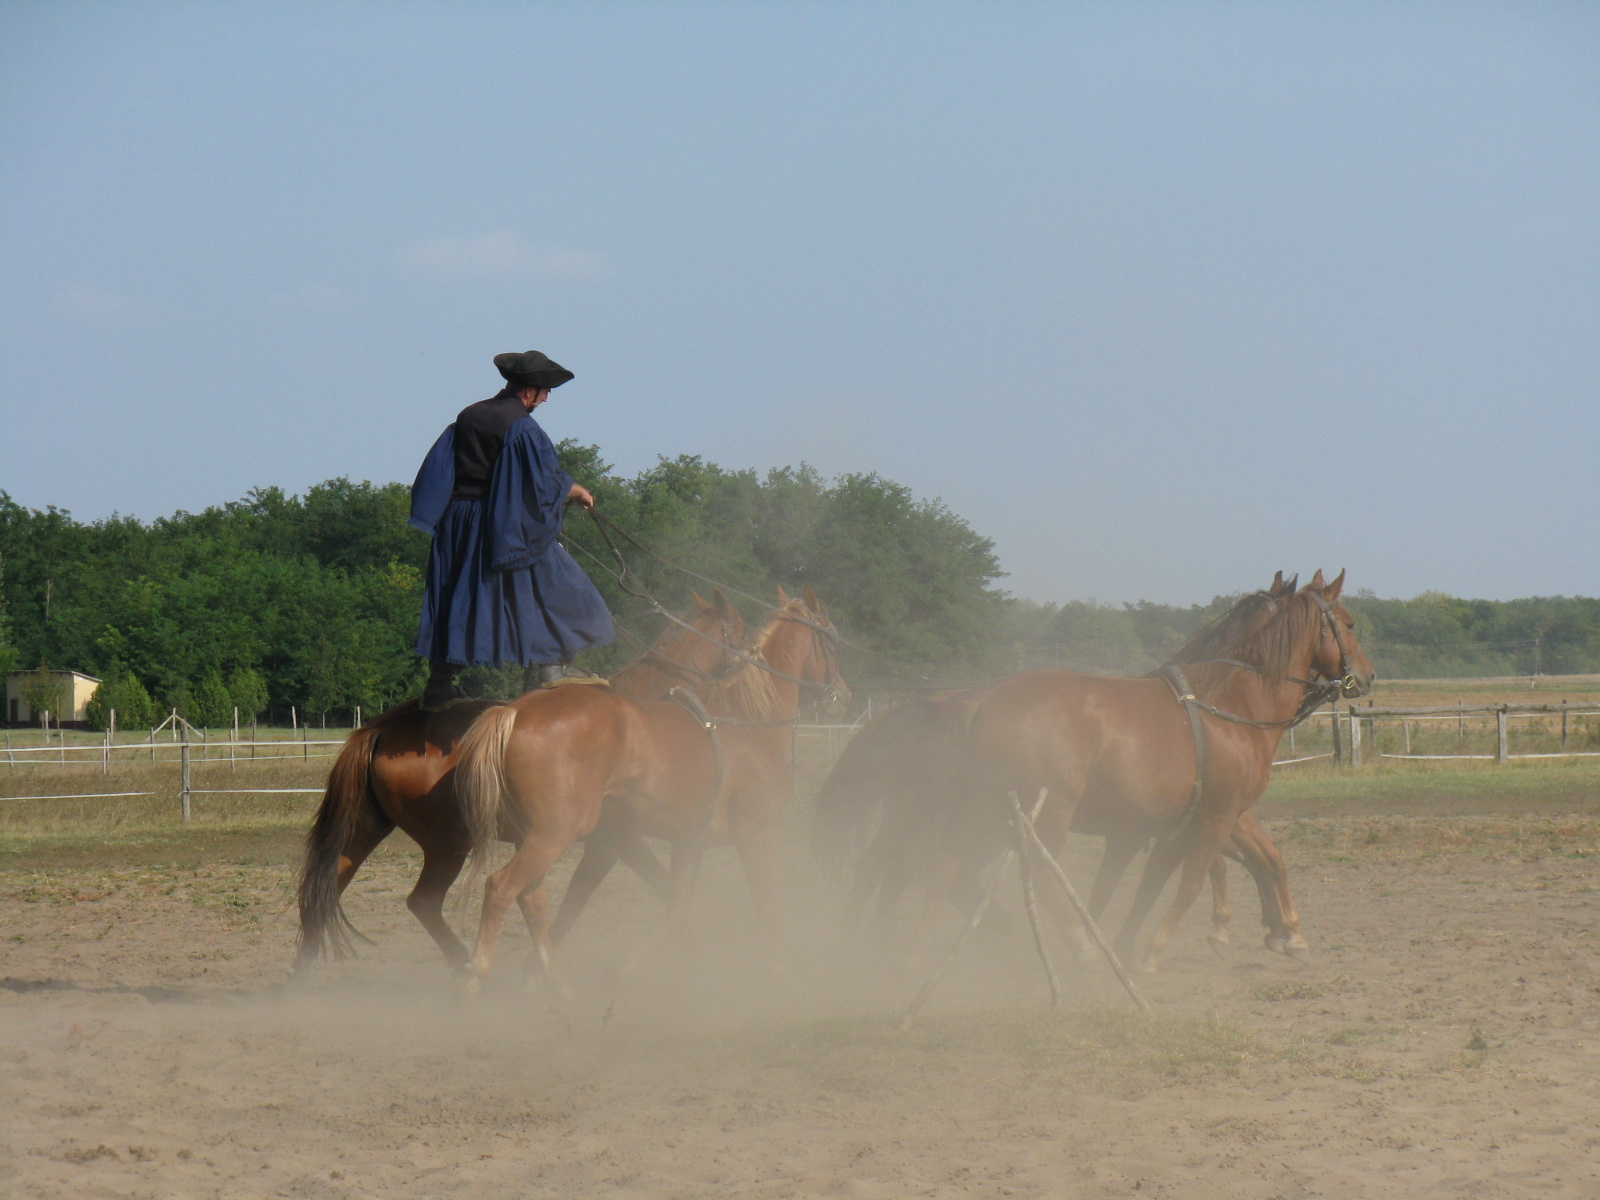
(580, 495)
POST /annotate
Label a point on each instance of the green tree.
(213, 704)
(180, 699)
(247, 690)
(123, 693)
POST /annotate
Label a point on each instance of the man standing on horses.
(500, 589)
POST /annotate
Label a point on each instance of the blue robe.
(500, 589)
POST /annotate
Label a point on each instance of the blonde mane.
(745, 687)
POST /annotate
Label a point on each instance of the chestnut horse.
(399, 769)
(546, 770)
(1117, 758)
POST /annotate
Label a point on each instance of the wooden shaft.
(1031, 902)
(1083, 912)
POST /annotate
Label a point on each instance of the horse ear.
(783, 596)
(1277, 585)
(721, 605)
(1331, 592)
(1294, 582)
(814, 604)
(1317, 581)
(700, 601)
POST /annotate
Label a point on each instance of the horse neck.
(786, 650)
(1263, 697)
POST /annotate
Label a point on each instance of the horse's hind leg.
(1196, 867)
(525, 871)
(440, 868)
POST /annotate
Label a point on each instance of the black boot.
(441, 690)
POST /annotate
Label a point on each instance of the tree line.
(312, 600)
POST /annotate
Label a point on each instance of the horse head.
(1338, 654)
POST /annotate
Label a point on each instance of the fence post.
(305, 741)
(11, 759)
(1500, 754)
(1355, 737)
(358, 716)
(105, 749)
(233, 746)
(1333, 722)
(1564, 727)
(185, 753)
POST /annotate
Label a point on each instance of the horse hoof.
(1276, 944)
(1298, 949)
(471, 986)
(1219, 943)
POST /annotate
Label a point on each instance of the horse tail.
(324, 927)
(482, 786)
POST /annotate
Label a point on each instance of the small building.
(74, 689)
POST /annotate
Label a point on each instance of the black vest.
(480, 433)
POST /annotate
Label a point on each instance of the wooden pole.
(1089, 922)
(1031, 902)
(1564, 715)
(1333, 723)
(233, 746)
(1500, 754)
(185, 753)
(922, 997)
(1355, 738)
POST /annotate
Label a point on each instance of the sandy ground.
(1444, 1041)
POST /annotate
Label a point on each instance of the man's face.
(533, 397)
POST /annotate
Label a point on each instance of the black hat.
(530, 369)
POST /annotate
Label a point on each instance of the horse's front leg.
(1265, 864)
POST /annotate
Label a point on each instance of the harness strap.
(1179, 683)
(693, 705)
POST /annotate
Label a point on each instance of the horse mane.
(1268, 646)
(745, 686)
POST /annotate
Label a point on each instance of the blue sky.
(1162, 297)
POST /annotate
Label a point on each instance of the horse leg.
(601, 850)
(533, 900)
(525, 870)
(1196, 867)
(1221, 911)
(1158, 868)
(1114, 860)
(1266, 865)
(440, 867)
(685, 870)
(637, 854)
